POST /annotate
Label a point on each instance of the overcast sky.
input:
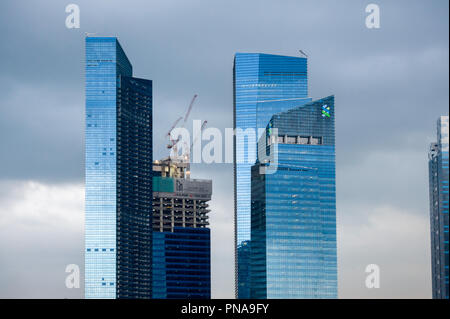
(390, 85)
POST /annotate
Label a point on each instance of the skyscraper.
(181, 237)
(439, 207)
(264, 84)
(118, 168)
(293, 214)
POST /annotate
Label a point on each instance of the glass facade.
(293, 210)
(264, 84)
(438, 165)
(181, 240)
(118, 164)
(182, 264)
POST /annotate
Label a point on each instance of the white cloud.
(394, 239)
(222, 247)
(41, 231)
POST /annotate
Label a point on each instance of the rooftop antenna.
(303, 53)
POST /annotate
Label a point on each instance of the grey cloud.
(188, 48)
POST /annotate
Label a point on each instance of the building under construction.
(181, 237)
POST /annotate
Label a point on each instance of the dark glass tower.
(118, 175)
(264, 84)
(293, 212)
(181, 237)
(439, 202)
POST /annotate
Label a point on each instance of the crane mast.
(173, 143)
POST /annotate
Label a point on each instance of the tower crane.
(173, 142)
(187, 152)
(171, 128)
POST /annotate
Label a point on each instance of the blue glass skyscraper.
(264, 84)
(118, 168)
(293, 212)
(438, 165)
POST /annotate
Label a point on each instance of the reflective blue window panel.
(260, 80)
(112, 121)
(293, 216)
(181, 264)
(439, 210)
